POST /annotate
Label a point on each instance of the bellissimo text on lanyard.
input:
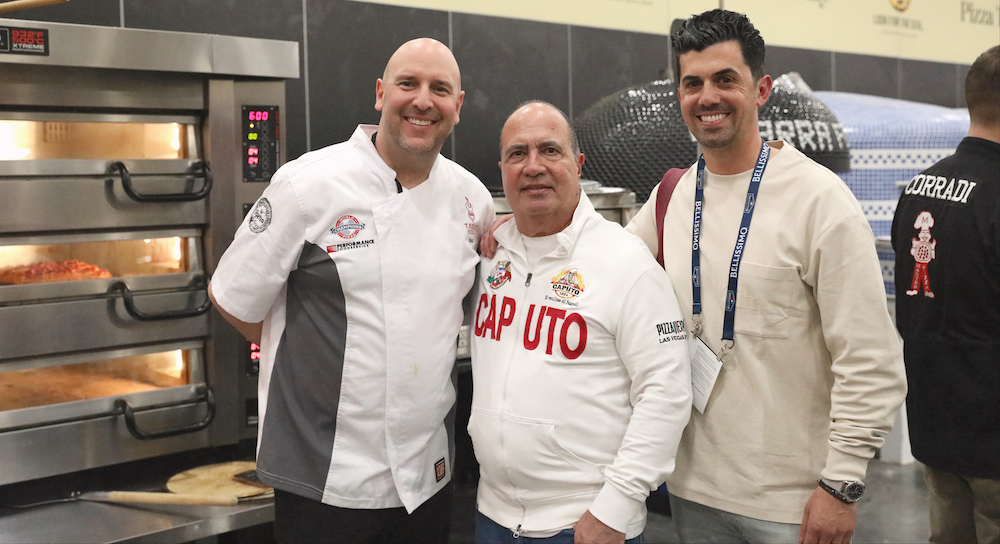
(728, 340)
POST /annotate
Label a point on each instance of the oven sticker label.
(261, 216)
(24, 41)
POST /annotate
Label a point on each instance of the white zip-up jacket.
(581, 379)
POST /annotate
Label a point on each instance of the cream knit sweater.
(817, 373)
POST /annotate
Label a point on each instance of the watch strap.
(838, 488)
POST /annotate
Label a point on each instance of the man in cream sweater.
(789, 310)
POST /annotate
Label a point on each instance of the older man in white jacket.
(580, 366)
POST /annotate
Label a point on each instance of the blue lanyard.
(741, 240)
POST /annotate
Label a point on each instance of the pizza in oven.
(52, 272)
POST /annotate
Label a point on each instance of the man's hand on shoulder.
(827, 520)
(488, 244)
(590, 530)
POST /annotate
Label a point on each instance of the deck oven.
(127, 160)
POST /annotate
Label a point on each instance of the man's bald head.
(420, 96)
(537, 105)
(423, 50)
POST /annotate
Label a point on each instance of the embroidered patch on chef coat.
(468, 208)
(439, 470)
(260, 218)
(472, 228)
(347, 246)
(568, 283)
(348, 227)
(499, 275)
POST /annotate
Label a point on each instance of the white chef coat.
(359, 285)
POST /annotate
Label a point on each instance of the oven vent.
(56, 133)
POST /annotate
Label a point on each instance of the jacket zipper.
(503, 410)
(527, 283)
(520, 330)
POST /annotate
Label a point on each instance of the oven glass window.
(97, 379)
(48, 263)
(34, 140)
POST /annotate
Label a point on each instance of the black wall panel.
(269, 19)
(961, 72)
(504, 62)
(866, 74)
(82, 12)
(814, 66)
(349, 45)
(606, 61)
(929, 82)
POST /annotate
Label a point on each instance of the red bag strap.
(666, 188)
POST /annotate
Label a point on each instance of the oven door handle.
(200, 167)
(139, 315)
(122, 406)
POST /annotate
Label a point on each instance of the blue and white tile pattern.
(891, 141)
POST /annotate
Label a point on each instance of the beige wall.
(933, 30)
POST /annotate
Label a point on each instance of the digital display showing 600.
(260, 143)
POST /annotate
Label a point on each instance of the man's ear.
(458, 106)
(379, 94)
(764, 90)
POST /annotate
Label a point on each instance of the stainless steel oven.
(127, 160)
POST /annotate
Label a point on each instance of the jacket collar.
(362, 139)
(584, 217)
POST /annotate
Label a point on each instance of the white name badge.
(705, 367)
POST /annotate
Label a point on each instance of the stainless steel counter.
(80, 522)
(98, 522)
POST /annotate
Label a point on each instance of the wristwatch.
(849, 491)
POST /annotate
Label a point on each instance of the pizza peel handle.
(15, 5)
(210, 485)
(144, 497)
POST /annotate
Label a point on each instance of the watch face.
(854, 490)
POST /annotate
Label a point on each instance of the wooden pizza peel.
(209, 485)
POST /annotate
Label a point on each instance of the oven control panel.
(253, 359)
(260, 143)
(252, 370)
